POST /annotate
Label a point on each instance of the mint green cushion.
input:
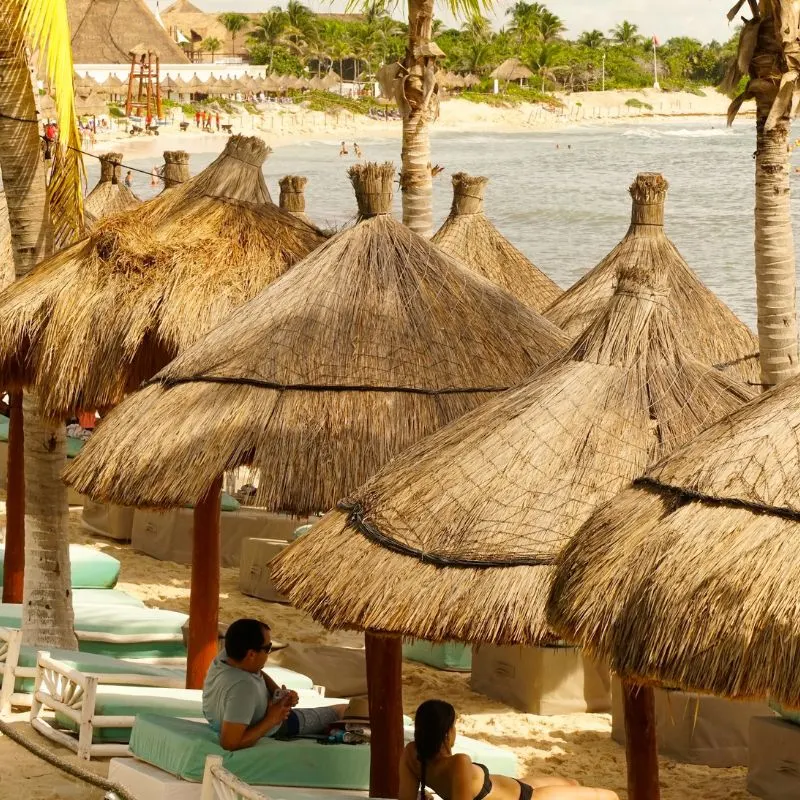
(789, 714)
(227, 503)
(73, 445)
(180, 747)
(118, 619)
(453, 656)
(3, 428)
(90, 568)
(301, 531)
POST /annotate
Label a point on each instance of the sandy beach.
(283, 124)
(577, 745)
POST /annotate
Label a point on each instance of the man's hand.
(277, 712)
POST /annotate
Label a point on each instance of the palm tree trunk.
(416, 181)
(47, 593)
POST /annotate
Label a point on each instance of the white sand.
(578, 745)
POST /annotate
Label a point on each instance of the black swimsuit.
(525, 790)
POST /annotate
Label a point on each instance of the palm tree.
(271, 29)
(477, 28)
(626, 33)
(339, 50)
(40, 25)
(301, 21)
(550, 26)
(592, 39)
(211, 45)
(233, 22)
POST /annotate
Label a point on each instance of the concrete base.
(541, 680)
(254, 575)
(113, 522)
(774, 767)
(694, 728)
(145, 782)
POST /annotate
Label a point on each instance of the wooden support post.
(385, 689)
(14, 560)
(204, 597)
(641, 746)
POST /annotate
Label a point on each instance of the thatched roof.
(711, 331)
(331, 79)
(293, 197)
(106, 31)
(176, 168)
(468, 235)
(512, 69)
(372, 342)
(95, 320)
(169, 84)
(687, 579)
(6, 254)
(469, 521)
(113, 82)
(110, 195)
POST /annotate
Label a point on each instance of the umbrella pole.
(385, 689)
(641, 746)
(204, 596)
(14, 560)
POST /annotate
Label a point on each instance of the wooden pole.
(14, 560)
(641, 745)
(385, 689)
(204, 597)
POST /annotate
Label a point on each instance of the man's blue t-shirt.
(234, 695)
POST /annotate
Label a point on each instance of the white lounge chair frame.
(58, 688)
(219, 784)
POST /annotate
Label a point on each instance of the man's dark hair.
(244, 635)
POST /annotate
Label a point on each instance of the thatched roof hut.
(110, 195)
(711, 331)
(331, 79)
(471, 80)
(686, 579)
(469, 521)
(95, 320)
(372, 342)
(107, 31)
(512, 69)
(176, 168)
(195, 84)
(470, 237)
(6, 254)
(169, 84)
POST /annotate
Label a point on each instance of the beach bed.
(90, 568)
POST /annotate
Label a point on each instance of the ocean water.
(565, 207)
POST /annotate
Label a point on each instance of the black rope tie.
(355, 519)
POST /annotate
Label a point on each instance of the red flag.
(655, 41)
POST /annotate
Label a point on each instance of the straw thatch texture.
(95, 320)
(471, 238)
(106, 31)
(512, 69)
(687, 578)
(456, 538)
(176, 168)
(6, 253)
(710, 330)
(293, 197)
(110, 195)
(372, 342)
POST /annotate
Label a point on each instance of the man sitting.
(242, 703)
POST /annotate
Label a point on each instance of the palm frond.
(46, 28)
(465, 9)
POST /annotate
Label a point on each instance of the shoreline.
(280, 126)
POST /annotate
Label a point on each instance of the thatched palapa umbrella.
(470, 237)
(150, 283)
(331, 79)
(512, 69)
(176, 168)
(372, 342)
(110, 195)
(293, 197)
(712, 333)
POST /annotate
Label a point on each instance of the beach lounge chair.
(219, 784)
(179, 748)
(93, 714)
(90, 568)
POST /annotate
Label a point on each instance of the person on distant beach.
(197, 116)
(356, 149)
(154, 176)
(243, 704)
(343, 149)
(217, 119)
(429, 761)
(129, 179)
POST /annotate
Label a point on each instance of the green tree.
(592, 39)
(234, 23)
(211, 45)
(626, 33)
(271, 30)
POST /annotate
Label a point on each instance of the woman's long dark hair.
(432, 723)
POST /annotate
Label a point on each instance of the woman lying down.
(429, 761)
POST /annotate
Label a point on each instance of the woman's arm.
(409, 783)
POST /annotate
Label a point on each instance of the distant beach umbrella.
(270, 84)
(92, 104)
(92, 322)
(169, 84)
(711, 331)
(194, 84)
(512, 69)
(331, 80)
(316, 83)
(469, 521)
(687, 579)
(110, 195)
(468, 235)
(471, 80)
(175, 171)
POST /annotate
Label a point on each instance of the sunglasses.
(265, 648)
